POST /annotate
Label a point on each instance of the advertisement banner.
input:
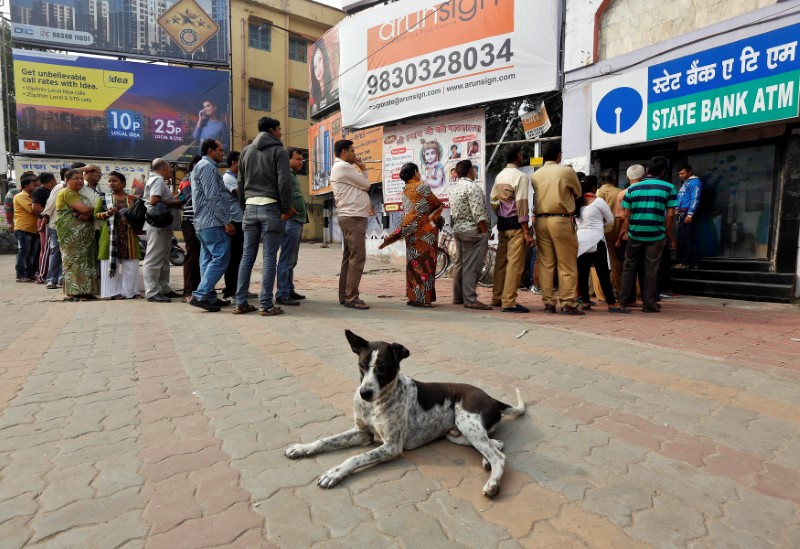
(136, 173)
(193, 31)
(535, 123)
(436, 145)
(3, 148)
(82, 106)
(750, 81)
(321, 139)
(425, 56)
(323, 72)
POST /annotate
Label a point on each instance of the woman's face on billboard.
(319, 66)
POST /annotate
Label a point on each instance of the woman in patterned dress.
(119, 252)
(75, 226)
(420, 228)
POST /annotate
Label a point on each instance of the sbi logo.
(619, 110)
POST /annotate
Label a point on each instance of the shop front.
(727, 106)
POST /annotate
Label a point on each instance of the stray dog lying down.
(406, 414)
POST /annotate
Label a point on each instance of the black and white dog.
(405, 414)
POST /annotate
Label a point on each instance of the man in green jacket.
(292, 231)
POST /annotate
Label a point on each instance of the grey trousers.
(471, 249)
(155, 266)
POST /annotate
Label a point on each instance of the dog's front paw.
(296, 451)
(491, 488)
(330, 478)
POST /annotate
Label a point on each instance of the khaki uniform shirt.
(555, 189)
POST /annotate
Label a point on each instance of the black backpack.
(159, 216)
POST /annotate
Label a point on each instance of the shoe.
(295, 295)
(590, 302)
(270, 311)
(537, 290)
(52, 286)
(356, 304)
(496, 304)
(551, 309)
(203, 304)
(516, 309)
(287, 301)
(173, 294)
(574, 311)
(669, 295)
(186, 298)
(23, 279)
(244, 309)
(654, 308)
(420, 304)
(479, 306)
(222, 302)
(586, 307)
(158, 298)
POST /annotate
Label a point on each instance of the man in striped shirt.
(649, 214)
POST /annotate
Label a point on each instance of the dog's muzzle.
(366, 394)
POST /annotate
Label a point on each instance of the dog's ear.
(400, 352)
(357, 343)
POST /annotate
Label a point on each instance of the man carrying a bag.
(155, 268)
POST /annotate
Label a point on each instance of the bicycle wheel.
(442, 262)
(487, 273)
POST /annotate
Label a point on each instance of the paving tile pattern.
(131, 424)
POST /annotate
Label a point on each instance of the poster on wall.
(323, 69)
(136, 173)
(415, 57)
(321, 139)
(436, 145)
(80, 106)
(193, 31)
(749, 81)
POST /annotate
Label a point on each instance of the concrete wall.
(628, 25)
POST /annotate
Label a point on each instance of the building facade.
(711, 83)
(269, 45)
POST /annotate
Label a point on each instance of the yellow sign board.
(188, 25)
(69, 87)
(537, 161)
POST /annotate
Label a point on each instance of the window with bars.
(298, 106)
(259, 36)
(260, 98)
(298, 49)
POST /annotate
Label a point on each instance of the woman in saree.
(420, 228)
(75, 227)
(119, 252)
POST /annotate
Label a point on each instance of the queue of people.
(71, 235)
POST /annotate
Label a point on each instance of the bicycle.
(486, 279)
(444, 258)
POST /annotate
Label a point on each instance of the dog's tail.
(514, 411)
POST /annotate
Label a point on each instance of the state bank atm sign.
(619, 110)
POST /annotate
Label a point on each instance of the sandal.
(479, 306)
(271, 311)
(244, 309)
(357, 304)
(421, 304)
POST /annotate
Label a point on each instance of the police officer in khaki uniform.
(555, 189)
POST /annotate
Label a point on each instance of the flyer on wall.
(82, 106)
(436, 145)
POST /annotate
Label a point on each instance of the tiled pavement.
(132, 424)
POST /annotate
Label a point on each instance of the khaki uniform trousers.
(508, 267)
(557, 243)
(614, 255)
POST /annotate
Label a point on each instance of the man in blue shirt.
(212, 223)
(688, 202)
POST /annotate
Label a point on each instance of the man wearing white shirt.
(351, 192)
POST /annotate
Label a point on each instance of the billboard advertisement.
(193, 31)
(80, 106)
(321, 138)
(421, 56)
(323, 73)
(750, 81)
(436, 145)
(136, 173)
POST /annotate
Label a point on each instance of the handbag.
(135, 214)
(159, 216)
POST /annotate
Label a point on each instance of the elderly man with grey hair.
(635, 174)
(155, 268)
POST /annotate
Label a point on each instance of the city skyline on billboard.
(191, 31)
(72, 105)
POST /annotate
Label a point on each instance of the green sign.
(763, 100)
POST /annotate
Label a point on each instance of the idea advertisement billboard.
(79, 106)
(321, 139)
(184, 30)
(421, 56)
(323, 69)
(436, 145)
